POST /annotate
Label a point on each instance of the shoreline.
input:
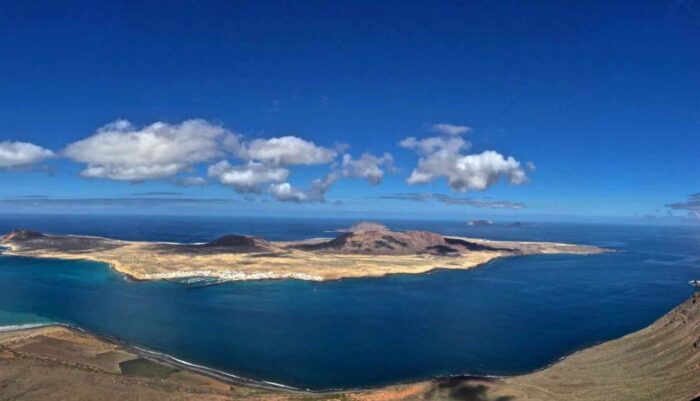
(230, 378)
(300, 260)
(164, 359)
(233, 379)
(660, 359)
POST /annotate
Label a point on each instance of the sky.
(461, 110)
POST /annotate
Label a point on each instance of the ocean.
(507, 317)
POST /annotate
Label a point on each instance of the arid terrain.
(658, 363)
(365, 250)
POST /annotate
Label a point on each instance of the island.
(660, 363)
(364, 250)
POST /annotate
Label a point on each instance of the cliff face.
(658, 363)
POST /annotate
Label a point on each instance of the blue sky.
(602, 98)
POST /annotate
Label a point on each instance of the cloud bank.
(120, 151)
(178, 153)
(691, 205)
(450, 200)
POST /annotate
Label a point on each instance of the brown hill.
(21, 235)
(658, 363)
(240, 243)
(376, 239)
(33, 240)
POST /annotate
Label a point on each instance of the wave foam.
(25, 326)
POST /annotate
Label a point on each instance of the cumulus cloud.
(367, 166)
(316, 193)
(121, 151)
(442, 157)
(450, 129)
(21, 154)
(285, 192)
(287, 150)
(247, 178)
(428, 146)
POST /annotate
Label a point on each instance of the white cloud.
(21, 154)
(450, 129)
(120, 151)
(287, 150)
(442, 157)
(247, 178)
(285, 192)
(132, 173)
(368, 166)
(436, 144)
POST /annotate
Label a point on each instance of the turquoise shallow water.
(510, 316)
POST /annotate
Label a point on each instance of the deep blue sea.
(510, 316)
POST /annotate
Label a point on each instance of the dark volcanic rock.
(238, 243)
(374, 239)
(22, 235)
(34, 240)
(442, 250)
(472, 246)
(235, 241)
(224, 244)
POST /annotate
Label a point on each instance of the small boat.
(695, 283)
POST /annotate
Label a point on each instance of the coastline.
(155, 356)
(584, 372)
(225, 377)
(141, 261)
